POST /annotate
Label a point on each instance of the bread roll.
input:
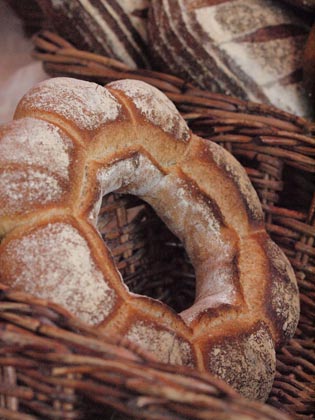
(71, 143)
(251, 49)
(115, 28)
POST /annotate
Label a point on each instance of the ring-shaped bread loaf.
(72, 142)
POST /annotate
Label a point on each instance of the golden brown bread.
(73, 142)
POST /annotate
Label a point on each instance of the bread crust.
(251, 49)
(115, 28)
(137, 143)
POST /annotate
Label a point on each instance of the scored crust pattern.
(71, 143)
(251, 49)
(114, 28)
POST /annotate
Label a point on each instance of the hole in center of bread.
(151, 260)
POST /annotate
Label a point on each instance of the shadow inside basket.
(151, 260)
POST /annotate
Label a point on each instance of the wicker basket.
(55, 367)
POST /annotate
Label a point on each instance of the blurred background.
(18, 70)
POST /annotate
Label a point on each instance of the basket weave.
(55, 367)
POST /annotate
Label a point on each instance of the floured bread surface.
(130, 138)
(284, 298)
(251, 49)
(252, 355)
(112, 28)
(36, 143)
(154, 106)
(55, 262)
(85, 104)
(23, 190)
(36, 168)
(236, 172)
(165, 344)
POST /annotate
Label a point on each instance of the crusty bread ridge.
(72, 142)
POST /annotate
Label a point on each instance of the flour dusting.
(35, 142)
(54, 262)
(284, 290)
(28, 189)
(137, 175)
(227, 162)
(190, 205)
(86, 104)
(246, 362)
(164, 344)
(154, 106)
